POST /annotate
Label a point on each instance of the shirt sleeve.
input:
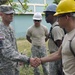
(73, 44)
(46, 30)
(28, 32)
(10, 53)
(57, 33)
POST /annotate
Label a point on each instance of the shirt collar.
(55, 23)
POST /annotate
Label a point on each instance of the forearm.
(46, 38)
(11, 54)
(28, 38)
(51, 57)
(30, 41)
(20, 58)
(58, 42)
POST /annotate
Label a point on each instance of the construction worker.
(55, 38)
(66, 17)
(36, 35)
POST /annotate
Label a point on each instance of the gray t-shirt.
(37, 34)
(68, 60)
(57, 34)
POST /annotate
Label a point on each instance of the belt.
(37, 46)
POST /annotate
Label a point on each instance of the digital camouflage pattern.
(40, 51)
(6, 9)
(9, 55)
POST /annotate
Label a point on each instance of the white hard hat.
(51, 8)
(37, 16)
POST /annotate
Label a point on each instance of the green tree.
(15, 5)
(56, 1)
(23, 4)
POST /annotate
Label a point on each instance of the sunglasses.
(37, 20)
(46, 15)
(49, 13)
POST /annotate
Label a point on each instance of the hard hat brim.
(56, 14)
(37, 19)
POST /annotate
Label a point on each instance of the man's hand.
(35, 62)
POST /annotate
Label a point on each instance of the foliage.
(23, 4)
(24, 47)
(56, 1)
(3, 1)
(15, 5)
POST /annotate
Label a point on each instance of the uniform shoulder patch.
(2, 36)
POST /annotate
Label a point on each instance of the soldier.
(55, 38)
(9, 55)
(36, 35)
(66, 17)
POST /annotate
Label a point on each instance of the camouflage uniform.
(39, 51)
(9, 56)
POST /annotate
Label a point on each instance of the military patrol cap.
(6, 9)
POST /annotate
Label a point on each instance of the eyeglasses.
(37, 20)
(63, 15)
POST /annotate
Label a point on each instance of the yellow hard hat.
(65, 6)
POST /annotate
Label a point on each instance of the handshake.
(35, 62)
